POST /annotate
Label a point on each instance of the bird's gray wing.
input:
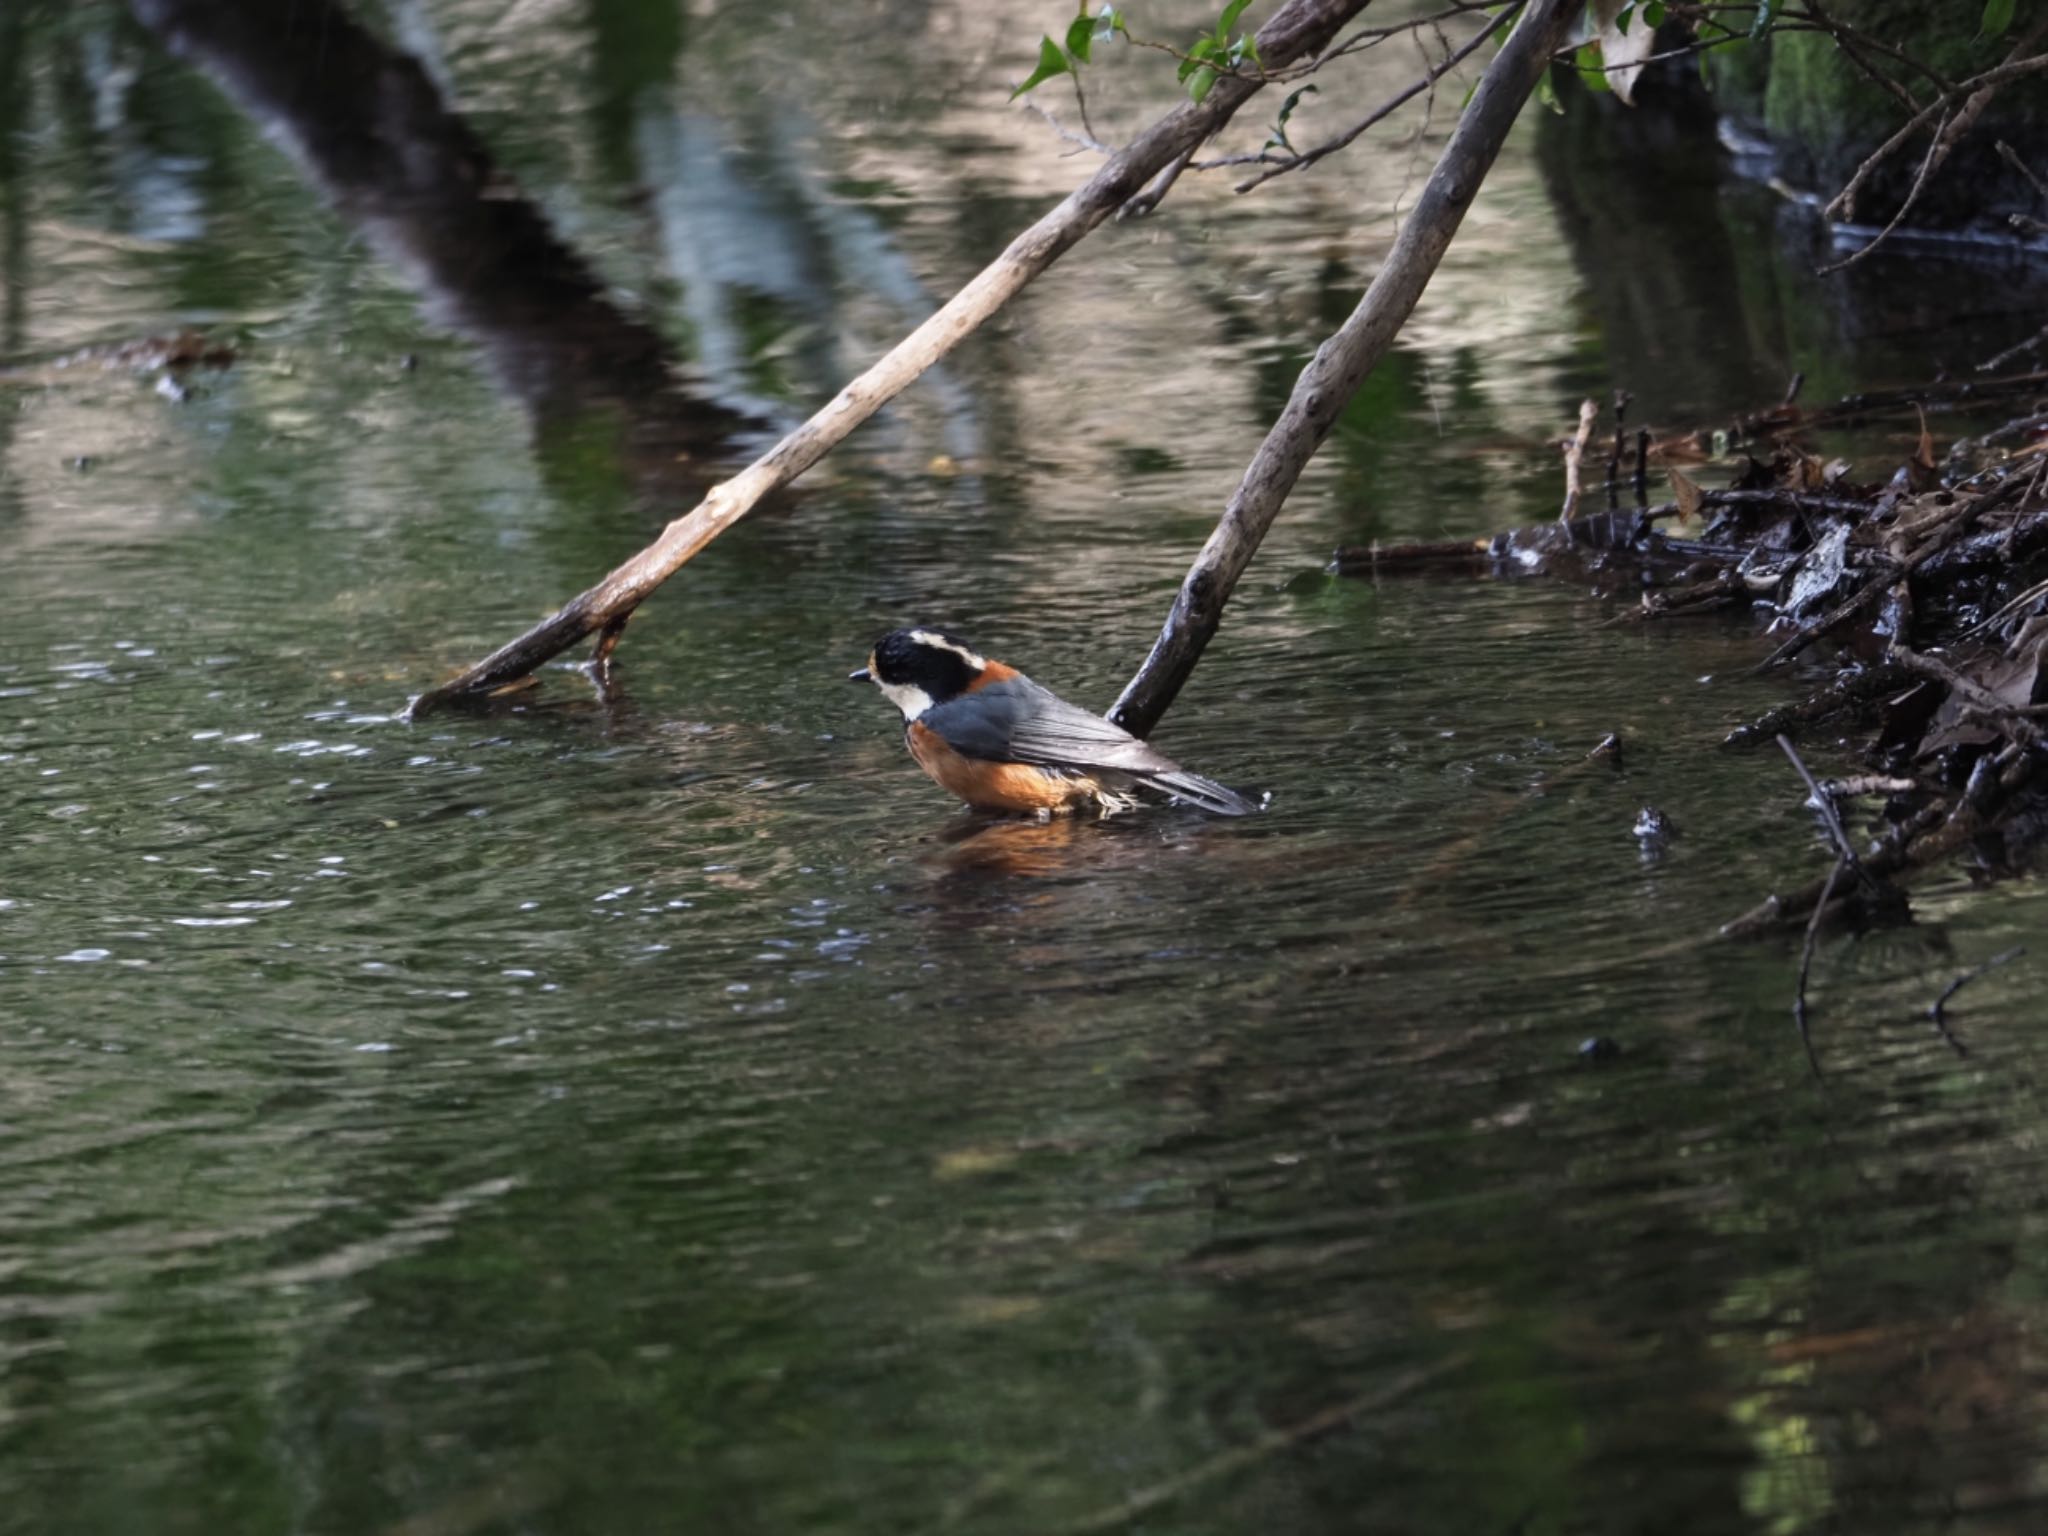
(1017, 721)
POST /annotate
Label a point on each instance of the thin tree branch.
(1843, 205)
(1972, 694)
(1938, 1009)
(2012, 158)
(1342, 363)
(1155, 193)
(1820, 908)
(1824, 806)
(1818, 20)
(1574, 456)
(1383, 111)
(1083, 140)
(1300, 29)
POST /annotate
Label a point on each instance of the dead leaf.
(1685, 492)
(1921, 470)
(1820, 572)
(1622, 53)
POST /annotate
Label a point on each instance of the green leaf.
(1653, 14)
(1589, 62)
(1766, 13)
(1623, 17)
(1546, 93)
(1199, 86)
(1109, 23)
(1080, 38)
(1229, 17)
(1997, 17)
(1050, 62)
(1204, 46)
(1279, 139)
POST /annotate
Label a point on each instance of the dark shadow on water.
(370, 127)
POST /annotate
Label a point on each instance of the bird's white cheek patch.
(913, 701)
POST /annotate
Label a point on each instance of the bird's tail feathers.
(1206, 793)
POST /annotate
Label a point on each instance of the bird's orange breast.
(995, 786)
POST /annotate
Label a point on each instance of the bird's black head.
(918, 668)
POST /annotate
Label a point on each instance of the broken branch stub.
(1300, 29)
(1342, 363)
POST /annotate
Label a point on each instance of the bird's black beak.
(862, 676)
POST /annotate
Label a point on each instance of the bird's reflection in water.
(980, 844)
(1036, 883)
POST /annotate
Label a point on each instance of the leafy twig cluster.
(1617, 38)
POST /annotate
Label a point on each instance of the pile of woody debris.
(1927, 589)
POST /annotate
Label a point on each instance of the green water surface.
(671, 1114)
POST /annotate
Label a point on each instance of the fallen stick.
(1574, 458)
(1342, 362)
(1820, 908)
(1974, 695)
(1853, 691)
(1300, 29)
(1912, 846)
(1937, 1011)
(1824, 808)
(1621, 399)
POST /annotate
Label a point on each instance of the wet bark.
(1343, 362)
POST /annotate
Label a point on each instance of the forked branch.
(1300, 30)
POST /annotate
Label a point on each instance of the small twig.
(1372, 37)
(1387, 108)
(1946, 133)
(1937, 1009)
(1155, 191)
(1847, 43)
(1972, 95)
(1847, 691)
(1082, 140)
(2011, 157)
(1237, 1458)
(2037, 590)
(1973, 694)
(1642, 486)
(1574, 451)
(2014, 351)
(1621, 399)
(1913, 844)
(1818, 20)
(1824, 806)
(1820, 908)
(1081, 103)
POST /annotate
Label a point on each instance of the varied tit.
(988, 734)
